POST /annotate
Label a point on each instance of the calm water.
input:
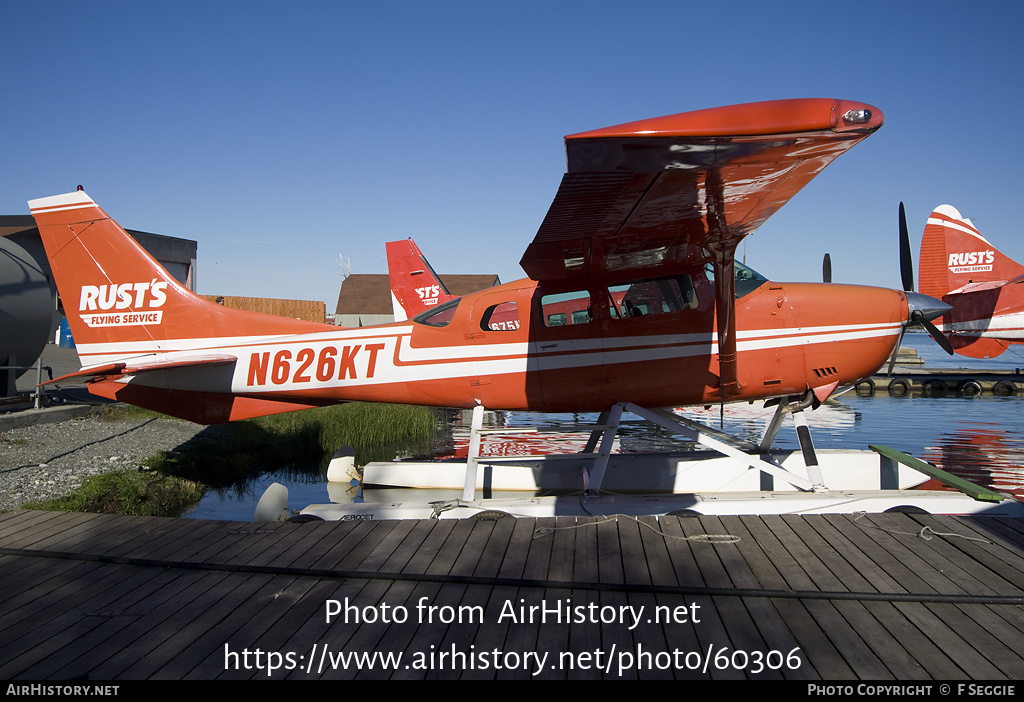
(980, 438)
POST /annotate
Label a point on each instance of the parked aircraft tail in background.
(984, 286)
(415, 287)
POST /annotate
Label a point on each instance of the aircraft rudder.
(932, 279)
(415, 287)
(954, 254)
(118, 299)
(112, 290)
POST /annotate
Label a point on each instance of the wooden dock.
(871, 597)
(943, 382)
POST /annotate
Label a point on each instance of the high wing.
(655, 196)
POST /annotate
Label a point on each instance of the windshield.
(747, 279)
(440, 316)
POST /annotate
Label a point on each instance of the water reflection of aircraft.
(984, 286)
(831, 415)
(531, 434)
(638, 246)
(988, 456)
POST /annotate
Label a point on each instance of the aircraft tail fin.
(954, 255)
(119, 301)
(415, 287)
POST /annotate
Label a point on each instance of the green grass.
(135, 492)
(231, 455)
(301, 442)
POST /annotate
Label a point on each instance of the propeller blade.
(906, 261)
(936, 334)
(826, 269)
(918, 304)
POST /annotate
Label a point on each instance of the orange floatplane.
(634, 300)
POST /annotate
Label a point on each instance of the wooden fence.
(310, 310)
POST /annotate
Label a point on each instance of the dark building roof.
(176, 255)
(370, 293)
(12, 224)
(160, 247)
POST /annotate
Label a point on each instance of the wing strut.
(725, 310)
(724, 252)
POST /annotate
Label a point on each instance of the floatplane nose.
(929, 308)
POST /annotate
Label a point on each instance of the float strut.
(592, 482)
(469, 490)
(803, 433)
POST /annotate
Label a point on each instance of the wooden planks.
(835, 597)
(309, 310)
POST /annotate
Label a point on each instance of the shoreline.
(41, 461)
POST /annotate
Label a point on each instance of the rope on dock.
(699, 538)
(925, 532)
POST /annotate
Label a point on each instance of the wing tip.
(752, 119)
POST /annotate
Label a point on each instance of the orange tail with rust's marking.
(960, 266)
(415, 287)
(127, 314)
(954, 254)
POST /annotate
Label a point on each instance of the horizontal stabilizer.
(89, 373)
(141, 366)
(978, 346)
(986, 285)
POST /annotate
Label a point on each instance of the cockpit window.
(747, 279)
(440, 316)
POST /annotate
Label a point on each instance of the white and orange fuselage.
(536, 367)
(633, 295)
(148, 341)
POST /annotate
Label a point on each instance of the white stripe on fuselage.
(378, 356)
(98, 354)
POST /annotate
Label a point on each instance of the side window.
(501, 317)
(647, 297)
(566, 308)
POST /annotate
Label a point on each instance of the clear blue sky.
(281, 136)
